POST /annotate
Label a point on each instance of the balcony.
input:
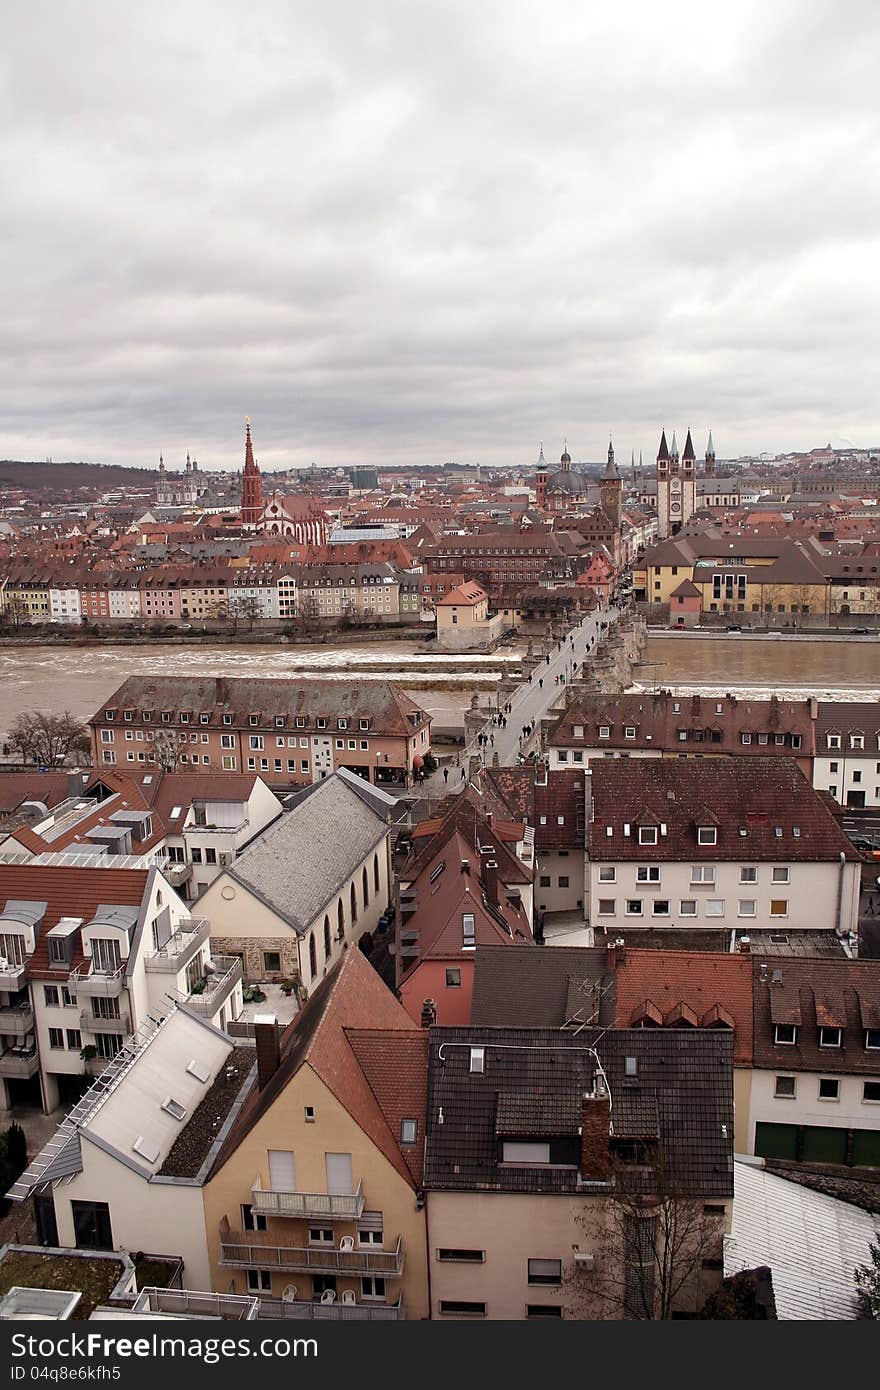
(316, 1311)
(176, 874)
(92, 983)
(93, 1024)
(17, 1018)
(19, 1062)
(186, 1303)
(312, 1259)
(308, 1205)
(218, 986)
(177, 953)
(12, 977)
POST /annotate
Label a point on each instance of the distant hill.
(67, 477)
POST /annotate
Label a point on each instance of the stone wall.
(251, 950)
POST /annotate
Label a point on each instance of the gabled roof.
(698, 980)
(68, 892)
(814, 994)
(541, 988)
(327, 1036)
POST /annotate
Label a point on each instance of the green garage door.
(866, 1148)
(775, 1141)
(822, 1145)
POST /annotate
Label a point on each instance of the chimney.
(268, 1041)
(489, 819)
(490, 880)
(596, 1134)
(429, 1013)
(76, 782)
(611, 955)
(745, 945)
(465, 866)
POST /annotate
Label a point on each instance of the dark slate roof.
(682, 1091)
(813, 994)
(543, 988)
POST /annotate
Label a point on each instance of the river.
(81, 678)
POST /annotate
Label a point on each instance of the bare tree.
(49, 739)
(653, 1253)
(244, 608)
(165, 750)
(15, 613)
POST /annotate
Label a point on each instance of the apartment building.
(666, 725)
(506, 556)
(290, 734)
(89, 950)
(847, 758)
(315, 1198)
(315, 882)
(815, 1093)
(730, 844)
(346, 591)
(535, 1200)
(737, 574)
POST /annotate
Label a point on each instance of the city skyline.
(432, 237)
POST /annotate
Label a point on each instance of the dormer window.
(604, 730)
(578, 731)
(629, 731)
(279, 721)
(833, 740)
(300, 722)
(166, 716)
(857, 740)
(342, 723)
(745, 738)
(785, 1034)
(128, 715)
(707, 835)
(321, 723)
(204, 718)
(647, 834)
(147, 716)
(110, 714)
(184, 719)
(253, 719)
(363, 724)
(227, 719)
(830, 1037)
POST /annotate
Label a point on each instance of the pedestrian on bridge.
(541, 682)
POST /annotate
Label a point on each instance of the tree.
(15, 612)
(868, 1280)
(165, 750)
(244, 608)
(651, 1250)
(49, 739)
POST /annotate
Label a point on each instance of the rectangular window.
(450, 1256)
(91, 1225)
(50, 995)
(747, 907)
(647, 834)
(714, 907)
(271, 962)
(74, 1040)
(707, 835)
(830, 1037)
(829, 1088)
(780, 874)
(478, 1060)
(871, 1091)
(468, 932)
(779, 907)
(252, 1220)
(56, 1037)
(702, 873)
(648, 873)
(458, 1308)
(607, 874)
(634, 907)
(545, 1271)
(785, 1034)
(660, 907)
(529, 1152)
(320, 1235)
(748, 874)
(372, 1286)
(259, 1280)
(786, 1087)
(607, 907)
(688, 907)
(453, 978)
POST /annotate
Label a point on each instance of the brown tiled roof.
(757, 795)
(68, 892)
(812, 994)
(350, 997)
(541, 988)
(16, 787)
(395, 1064)
(698, 980)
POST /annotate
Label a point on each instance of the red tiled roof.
(700, 981)
(68, 892)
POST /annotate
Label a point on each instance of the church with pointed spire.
(251, 484)
(676, 485)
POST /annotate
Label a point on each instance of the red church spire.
(251, 490)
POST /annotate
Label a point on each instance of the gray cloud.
(446, 230)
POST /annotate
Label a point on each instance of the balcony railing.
(16, 1063)
(331, 1312)
(332, 1206)
(12, 976)
(93, 1024)
(177, 953)
(176, 873)
(220, 984)
(106, 984)
(17, 1018)
(188, 1303)
(312, 1258)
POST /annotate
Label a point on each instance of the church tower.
(541, 481)
(688, 481)
(251, 490)
(710, 458)
(663, 488)
(610, 487)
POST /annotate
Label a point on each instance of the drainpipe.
(841, 872)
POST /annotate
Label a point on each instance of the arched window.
(366, 888)
(313, 956)
(326, 938)
(376, 872)
(354, 905)
(340, 920)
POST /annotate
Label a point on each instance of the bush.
(430, 763)
(13, 1161)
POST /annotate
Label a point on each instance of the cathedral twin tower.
(677, 483)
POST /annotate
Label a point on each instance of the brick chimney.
(429, 1013)
(490, 880)
(615, 952)
(595, 1134)
(268, 1040)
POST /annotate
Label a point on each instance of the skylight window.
(199, 1071)
(174, 1108)
(175, 812)
(146, 1148)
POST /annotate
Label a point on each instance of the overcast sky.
(418, 231)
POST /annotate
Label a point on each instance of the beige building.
(463, 622)
(313, 883)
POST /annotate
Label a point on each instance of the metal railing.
(331, 1312)
(312, 1258)
(179, 950)
(220, 984)
(87, 980)
(335, 1206)
(93, 1023)
(193, 1304)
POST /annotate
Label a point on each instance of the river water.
(81, 678)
